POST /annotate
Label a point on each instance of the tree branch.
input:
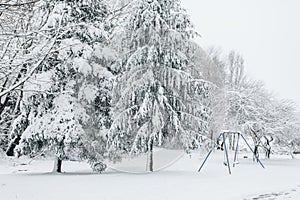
(18, 4)
(13, 87)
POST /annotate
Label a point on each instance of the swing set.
(223, 136)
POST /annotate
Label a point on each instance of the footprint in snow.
(271, 196)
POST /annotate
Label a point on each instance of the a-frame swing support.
(226, 150)
(236, 150)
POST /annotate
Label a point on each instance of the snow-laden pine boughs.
(156, 99)
(58, 130)
(72, 124)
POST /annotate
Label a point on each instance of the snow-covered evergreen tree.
(157, 100)
(68, 116)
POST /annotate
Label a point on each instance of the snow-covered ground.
(20, 179)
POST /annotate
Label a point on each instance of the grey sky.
(265, 32)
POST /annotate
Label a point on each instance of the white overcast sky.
(265, 32)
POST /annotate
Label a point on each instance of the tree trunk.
(57, 165)
(12, 145)
(256, 153)
(15, 141)
(268, 153)
(151, 156)
(268, 148)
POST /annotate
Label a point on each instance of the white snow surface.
(20, 179)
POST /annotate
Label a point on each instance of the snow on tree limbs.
(70, 126)
(155, 98)
(88, 83)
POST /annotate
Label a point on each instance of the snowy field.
(32, 179)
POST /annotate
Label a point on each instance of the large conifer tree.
(68, 116)
(156, 100)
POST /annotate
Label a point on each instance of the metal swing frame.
(223, 136)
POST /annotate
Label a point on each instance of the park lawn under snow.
(20, 179)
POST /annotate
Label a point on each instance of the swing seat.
(236, 162)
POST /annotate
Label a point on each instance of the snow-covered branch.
(19, 3)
